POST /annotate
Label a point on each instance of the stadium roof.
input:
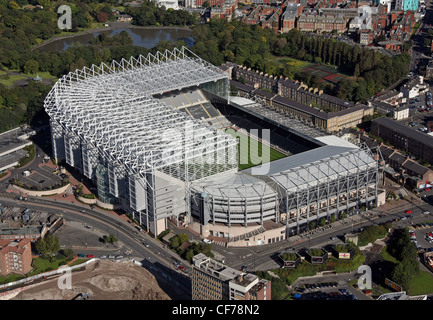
(336, 158)
(234, 186)
(112, 108)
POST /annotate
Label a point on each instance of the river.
(143, 37)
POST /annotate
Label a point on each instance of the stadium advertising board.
(393, 285)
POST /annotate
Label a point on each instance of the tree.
(102, 16)
(31, 67)
(48, 246)
(110, 239)
(68, 253)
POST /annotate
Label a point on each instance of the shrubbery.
(192, 249)
(372, 233)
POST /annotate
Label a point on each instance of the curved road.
(145, 249)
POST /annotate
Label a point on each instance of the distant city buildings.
(212, 280)
(363, 19)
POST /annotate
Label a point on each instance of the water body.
(143, 37)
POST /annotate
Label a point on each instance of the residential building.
(298, 100)
(401, 113)
(404, 138)
(404, 170)
(15, 257)
(413, 87)
(212, 280)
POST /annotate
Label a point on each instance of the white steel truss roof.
(112, 108)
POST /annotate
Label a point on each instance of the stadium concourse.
(161, 137)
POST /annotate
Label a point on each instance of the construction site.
(100, 280)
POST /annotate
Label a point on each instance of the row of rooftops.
(294, 84)
(390, 154)
(273, 97)
(20, 247)
(405, 131)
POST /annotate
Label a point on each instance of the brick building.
(298, 100)
(404, 138)
(322, 23)
(15, 257)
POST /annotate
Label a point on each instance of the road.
(259, 258)
(154, 257)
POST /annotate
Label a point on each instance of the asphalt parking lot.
(420, 231)
(41, 177)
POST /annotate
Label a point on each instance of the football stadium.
(162, 138)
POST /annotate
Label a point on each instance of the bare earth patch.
(103, 280)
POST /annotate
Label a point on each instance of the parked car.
(90, 256)
(408, 211)
(207, 241)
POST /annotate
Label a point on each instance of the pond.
(143, 37)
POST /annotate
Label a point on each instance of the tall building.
(212, 280)
(15, 256)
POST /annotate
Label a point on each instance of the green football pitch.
(251, 152)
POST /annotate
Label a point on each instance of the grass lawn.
(43, 75)
(11, 278)
(42, 265)
(295, 64)
(78, 261)
(249, 156)
(11, 79)
(421, 284)
(386, 256)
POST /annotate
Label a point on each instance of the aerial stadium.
(162, 138)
